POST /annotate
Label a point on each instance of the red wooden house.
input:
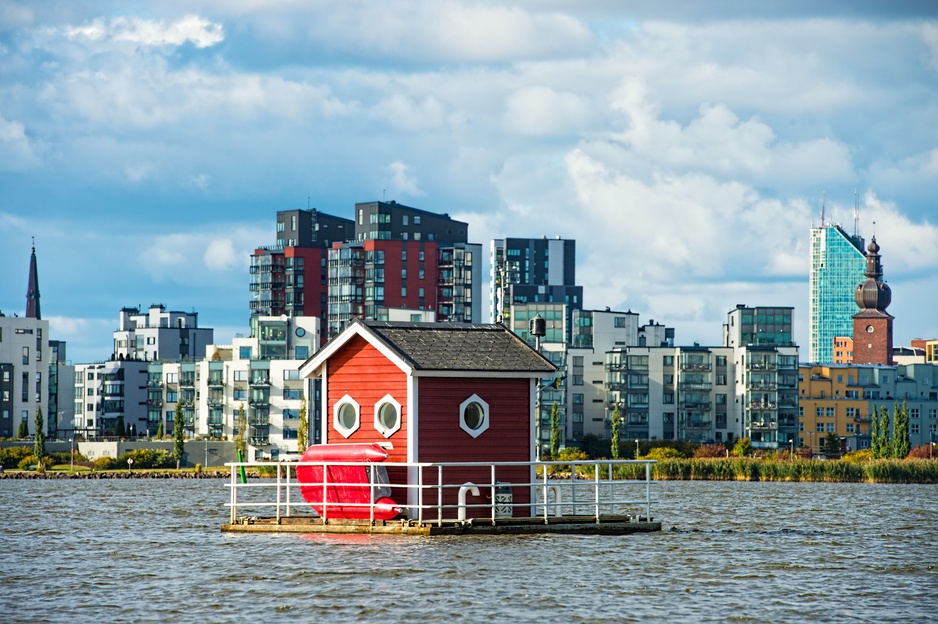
(434, 392)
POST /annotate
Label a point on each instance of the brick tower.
(872, 325)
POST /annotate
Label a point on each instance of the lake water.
(151, 551)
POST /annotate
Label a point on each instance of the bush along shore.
(114, 474)
(816, 470)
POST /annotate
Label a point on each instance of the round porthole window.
(387, 416)
(474, 416)
(346, 416)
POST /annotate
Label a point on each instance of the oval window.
(347, 416)
(387, 416)
(474, 415)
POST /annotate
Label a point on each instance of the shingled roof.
(459, 347)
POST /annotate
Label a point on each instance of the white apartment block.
(109, 393)
(24, 374)
(160, 335)
(258, 374)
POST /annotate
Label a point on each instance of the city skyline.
(685, 149)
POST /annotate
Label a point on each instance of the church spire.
(32, 289)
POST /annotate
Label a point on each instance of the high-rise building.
(380, 220)
(528, 271)
(837, 265)
(290, 277)
(317, 267)
(369, 278)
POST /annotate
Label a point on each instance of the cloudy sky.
(686, 146)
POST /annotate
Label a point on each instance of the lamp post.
(71, 456)
(537, 327)
(637, 453)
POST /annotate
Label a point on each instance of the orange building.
(843, 350)
(830, 400)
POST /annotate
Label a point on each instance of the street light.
(636, 449)
(71, 457)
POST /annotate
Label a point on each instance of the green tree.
(159, 431)
(901, 447)
(241, 444)
(120, 430)
(39, 444)
(179, 443)
(302, 436)
(885, 447)
(832, 445)
(23, 430)
(616, 432)
(742, 448)
(554, 431)
(875, 442)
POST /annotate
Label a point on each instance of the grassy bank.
(817, 470)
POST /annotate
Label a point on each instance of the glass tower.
(837, 267)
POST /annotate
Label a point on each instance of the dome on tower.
(874, 293)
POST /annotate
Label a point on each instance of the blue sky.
(686, 146)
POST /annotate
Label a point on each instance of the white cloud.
(543, 111)
(220, 254)
(403, 180)
(17, 151)
(143, 32)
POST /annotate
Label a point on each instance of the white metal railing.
(589, 489)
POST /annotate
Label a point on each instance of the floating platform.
(582, 525)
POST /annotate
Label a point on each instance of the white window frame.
(379, 427)
(475, 433)
(345, 432)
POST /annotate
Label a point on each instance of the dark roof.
(459, 347)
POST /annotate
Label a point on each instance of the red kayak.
(348, 490)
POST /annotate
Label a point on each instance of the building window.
(913, 412)
(240, 375)
(914, 428)
(474, 416)
(387, 416)
(819, 412)
(849, 427)
(346, 416)
(619, 321)
(721, 360)
(830, 427)
(245, 353)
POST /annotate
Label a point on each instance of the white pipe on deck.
(471, 488)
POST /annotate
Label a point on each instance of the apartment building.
(841, 400)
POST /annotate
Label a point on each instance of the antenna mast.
(856, 214)
(822, 208)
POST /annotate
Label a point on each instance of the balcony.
(695, 385)
(696, 367)
(259, 441)
(692, 405)
(697, 423)
(762, 407)
(260, 380)
(764, 424)
(763, 385)
(216, 382)
(259, 421)
(762, 366)
(154, 402)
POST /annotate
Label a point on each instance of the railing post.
(325, 501)
(371, 493)
(420, 494)
(439, 495)
(234, 495)
(288, 490)
(544, 491)
(648, 492)
(279, 485)
(596, 489)
(492, 482)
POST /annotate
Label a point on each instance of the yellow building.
(830, 400)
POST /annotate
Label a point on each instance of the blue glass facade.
(837, 268)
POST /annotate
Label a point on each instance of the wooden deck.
(582, 525)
